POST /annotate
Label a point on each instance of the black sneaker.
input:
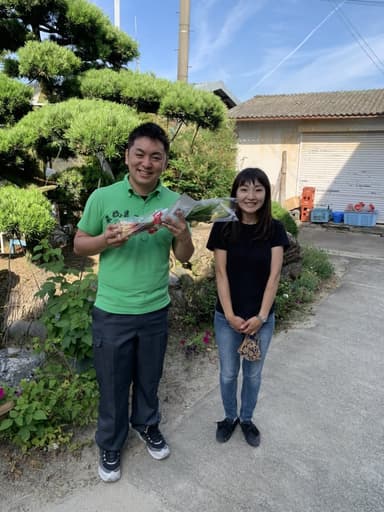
(109, 465)
(155, 442)
(251, 433)
(225, 429)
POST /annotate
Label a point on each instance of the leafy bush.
(278, 212)
(15, 100)
(292, 294)
(46, 406)
(67, 313)
(49, 63)
(75, 184)
(25, 212)
(190, 105)
(317, 261)
(104, 84)
(143, 91)
(208, 168)
(200, 297)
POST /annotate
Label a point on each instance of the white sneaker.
(109, 465)
(155, 442)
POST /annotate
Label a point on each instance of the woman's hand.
(236, 322)
(252, 325)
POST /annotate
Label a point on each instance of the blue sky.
(262, 46)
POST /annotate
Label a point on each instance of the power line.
(379, 3)
(367, 49)
(300, 44)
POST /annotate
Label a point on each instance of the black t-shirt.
(248, 264)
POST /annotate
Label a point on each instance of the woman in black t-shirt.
(248, 261)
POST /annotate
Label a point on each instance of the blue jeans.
(228, 341)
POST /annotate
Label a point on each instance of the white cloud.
(207, 39)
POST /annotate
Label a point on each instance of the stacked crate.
(307, 201)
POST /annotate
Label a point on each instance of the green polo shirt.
(133, 279)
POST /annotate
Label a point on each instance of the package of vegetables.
(135, 225)
(204, 210)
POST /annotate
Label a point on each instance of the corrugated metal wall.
(344, 168)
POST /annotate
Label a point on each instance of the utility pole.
(117, 13)
(183, 54)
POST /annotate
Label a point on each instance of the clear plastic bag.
(204, 210)
(133, 225)
(219, 209)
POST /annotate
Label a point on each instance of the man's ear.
(126, 156)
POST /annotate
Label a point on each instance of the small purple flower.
(2, 393)
(207, 337)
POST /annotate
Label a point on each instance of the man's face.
(145, 160)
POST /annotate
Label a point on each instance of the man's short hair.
(150, 130)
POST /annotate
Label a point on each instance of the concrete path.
(320, 413)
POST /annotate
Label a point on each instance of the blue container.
(321, 214)
(360, 218)
(338, 217)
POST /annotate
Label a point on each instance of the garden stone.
(17, 366)
(20, 329)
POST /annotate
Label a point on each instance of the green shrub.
(200, 299)
(75, 184)
(278, 212)
(292, 294)
(317, 261)
(25, 212)
(69, 302)
(15, 99)
(48, 405)
(194, 167)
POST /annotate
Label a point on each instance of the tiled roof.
(318, 105)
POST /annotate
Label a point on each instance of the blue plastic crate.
(360, 218)
(321, 215)
(338, 217)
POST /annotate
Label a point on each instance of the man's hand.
(115, 236)
(182, 242)
(177, 225)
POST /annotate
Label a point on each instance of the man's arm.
(182, 243)
(183, 247)
(88, 245)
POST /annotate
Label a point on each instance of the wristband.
(262, 320)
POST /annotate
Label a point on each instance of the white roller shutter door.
(344, 168)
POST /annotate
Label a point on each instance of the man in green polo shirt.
(130, 317)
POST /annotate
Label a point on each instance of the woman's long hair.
(253, 175)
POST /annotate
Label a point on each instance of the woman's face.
(250, 197)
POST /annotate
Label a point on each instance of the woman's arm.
(223, 290)
(273, 281)
(255, 322)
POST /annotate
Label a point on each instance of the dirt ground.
(27, 481)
